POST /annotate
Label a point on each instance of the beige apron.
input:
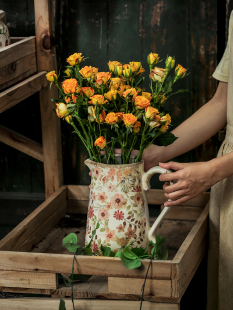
(220, 254)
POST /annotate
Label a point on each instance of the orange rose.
(74, 59)
(141, 71)
(112, 94)
(120, 116)
(74, 98)
(61, 110)
(166, 119)
(50, 76)
(131, 92)
(89, 72)
(152, 59)
(158, 74)
(111, 118)
(68, 118)
(141, 102)
(115, 83)
(129, 119)
(97, 99)
(67, 99)
(87, 91)
(102, 77)
(148, 96)
(113, 64)
(102, 117)
(180, 70)
(164, 128)
(100, 142)
(69, 86)
(136, 127)
(150, 112)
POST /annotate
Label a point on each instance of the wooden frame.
(25, 63)
(167, 280)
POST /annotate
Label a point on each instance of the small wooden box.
(32, 255)
(17, 61)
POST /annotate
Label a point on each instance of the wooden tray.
(32, 256)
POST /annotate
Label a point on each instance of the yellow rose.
(141, 71)
(88, 72)
(68, 118)
(111, 118)
(102, 77)
(158, 74)
(100, 142)
(136, 127)
(50, 76)
(180, 71)
(120, 116)
(152, 59)
(141, 102)
(74, 59)
(131, 92)
(127, 70)
(170, 62)
(113, 64)
(102, 117)
(69, 86)
(164, 128)
(67, 72)
(129, 119)
(148, 96)
(119, 70)
(97, 99)
(150, 112)
(112, 94)
(91, 112)
(135, 66)
(87, 91)
(166, 119)
(61, 110)
(115, 83)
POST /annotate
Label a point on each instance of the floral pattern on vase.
(118, 202)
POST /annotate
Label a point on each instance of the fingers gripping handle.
(146, 186)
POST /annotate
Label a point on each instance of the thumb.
(172, 165)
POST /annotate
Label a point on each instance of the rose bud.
(158, 74)
(74, 59)
(50, 76)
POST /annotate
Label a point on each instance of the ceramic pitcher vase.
(118, 202)
(4, 32)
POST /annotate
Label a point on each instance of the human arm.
(198, 128)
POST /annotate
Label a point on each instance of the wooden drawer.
(17, 61)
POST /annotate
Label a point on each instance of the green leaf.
(80, 277)
(165, 139)
(141, 253)
(71, 105)
(62, 305)
(128, 263)
(129, 254)
(87, 251)
(54, 100)
(70, 242)
(163, 253)
(111, 133)
(85, 121)
(107, 251)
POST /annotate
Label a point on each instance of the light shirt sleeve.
(221, 72)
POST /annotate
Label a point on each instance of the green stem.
(132, 146)
(81, 137)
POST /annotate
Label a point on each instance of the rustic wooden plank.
(28, 226)
(21, 91)
(21, 143)
(183, 213)
(77, 206)
(17, 68)
(17, 51)
(160, 288)
(190, 253)
(154, 196)
(95, 265)
(81, 304)
(16, 39)
(19, 78)
(43, 230)
(20, 290)
(28, 279)
(46, 60)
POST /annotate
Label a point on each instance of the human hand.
(191, 180)
(152, 156)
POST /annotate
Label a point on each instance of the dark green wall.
(110, 30)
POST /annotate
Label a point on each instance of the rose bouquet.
(110, 109)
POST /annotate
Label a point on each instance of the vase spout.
(89, 163)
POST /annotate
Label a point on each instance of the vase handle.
(146, 186)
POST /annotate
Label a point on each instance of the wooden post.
(46, 61)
